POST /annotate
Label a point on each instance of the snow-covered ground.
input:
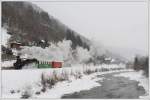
(15, 82)
(138, 76)
(74, 85)
(8, 63)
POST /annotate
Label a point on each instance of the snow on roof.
(50, 60)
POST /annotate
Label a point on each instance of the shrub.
(104, 69)
(142, 63)
(146, 67)
(78, 75)
(96, 70)
(27, 93)
(43, 83)
(64, 76)
(88, 71)
(38, 93)
(12, 91)
(49, 82)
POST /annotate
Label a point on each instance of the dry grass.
(55, 77)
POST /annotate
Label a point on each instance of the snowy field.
(17, 82)
(137, 76)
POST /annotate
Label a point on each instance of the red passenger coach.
(56, 64)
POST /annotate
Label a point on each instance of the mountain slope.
(29, 24)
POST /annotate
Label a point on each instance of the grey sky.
(118, 24)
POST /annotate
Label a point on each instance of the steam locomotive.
(20, 63)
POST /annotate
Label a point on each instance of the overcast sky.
(115, 24)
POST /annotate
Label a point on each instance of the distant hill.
(29, 24)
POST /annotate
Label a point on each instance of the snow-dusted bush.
(83, 55)
(43, 82)
(60, 51)
(48, 81)
(97, 49)
(27, 92)
(64, 76)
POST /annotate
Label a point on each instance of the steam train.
(20, 63)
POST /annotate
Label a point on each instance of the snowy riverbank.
(15, 82)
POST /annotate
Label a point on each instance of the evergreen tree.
(136, 63)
